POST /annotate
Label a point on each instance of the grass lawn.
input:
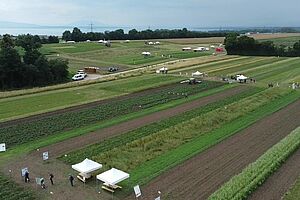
(46, 101)
(123, 55)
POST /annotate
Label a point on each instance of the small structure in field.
(91, 70)
(85, 168)
(219, 49)
(187, 49)
(163, 70)
(241, 78)
(127, 41)
(199, 49)
(146, 53)
(101, 41)
(157, 43)
(111, 178)
(71, 42)
(88, 40)
(197, 74)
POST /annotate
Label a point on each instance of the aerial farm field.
(189, 141)
(122, 55)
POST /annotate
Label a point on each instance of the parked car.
(82, 72)
(78, 77)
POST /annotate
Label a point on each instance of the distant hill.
(5, 24)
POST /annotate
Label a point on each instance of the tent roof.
(113, 176)
(87, 166)
(241, 77)
(146, 53)
(163, 69)
(197, 73)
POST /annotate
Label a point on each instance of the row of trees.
(30, 69)
(77, 35)
(248, 46)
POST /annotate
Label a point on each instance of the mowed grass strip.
(96, 150)
(48, 101)
(243, 184)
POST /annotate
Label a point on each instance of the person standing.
(71, 179)
(43, 183)
(51, 176)
(26, 177)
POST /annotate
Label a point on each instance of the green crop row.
(243, 184)
(11, 191)
(28, 131)
(119, 141)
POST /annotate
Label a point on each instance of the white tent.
(197, 73)
(113, 176)
(157, 42)
(241, 78)
(200, 49)
(87, 166)
(100, 41)
(146, 53)
(186, 49)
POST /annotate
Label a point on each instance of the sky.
(155, 13)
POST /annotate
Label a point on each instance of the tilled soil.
(199, 177)
(280, 182)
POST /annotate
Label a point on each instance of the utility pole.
(91, 27)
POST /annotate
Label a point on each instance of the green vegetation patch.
(11, 191)
(29, 131)
(123, 142)
(243, 184)
(294, 193)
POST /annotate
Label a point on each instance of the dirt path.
(280, 182)
(200, 176)
(61, 190)
(98, 136)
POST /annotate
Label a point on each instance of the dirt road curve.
(200, 176)
(279, 183)
(98, 136)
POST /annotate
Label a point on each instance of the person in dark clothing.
(26, 177)
(43, 183)
(51, 176)
(71, 179)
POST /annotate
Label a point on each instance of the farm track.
(198, 177)
(280, 182)
(95, 137)
(83, 106)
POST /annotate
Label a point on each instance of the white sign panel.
(46, 155)
(38, 181)
(2, 147)
(137, 191)
(24, 170)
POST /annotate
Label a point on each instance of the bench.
(107, 188)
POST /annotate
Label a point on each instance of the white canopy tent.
(241, 78)
(113, 176)
(146, 53)
(186, 49)
(197, 73)
(86, 167)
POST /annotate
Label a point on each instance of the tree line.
(247, 46)
(77, 35)
(28, 69)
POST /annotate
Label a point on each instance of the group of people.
(295, 85)
(51, 177)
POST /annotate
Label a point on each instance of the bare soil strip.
(95, 137)
(200, 176)
(280, 182)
